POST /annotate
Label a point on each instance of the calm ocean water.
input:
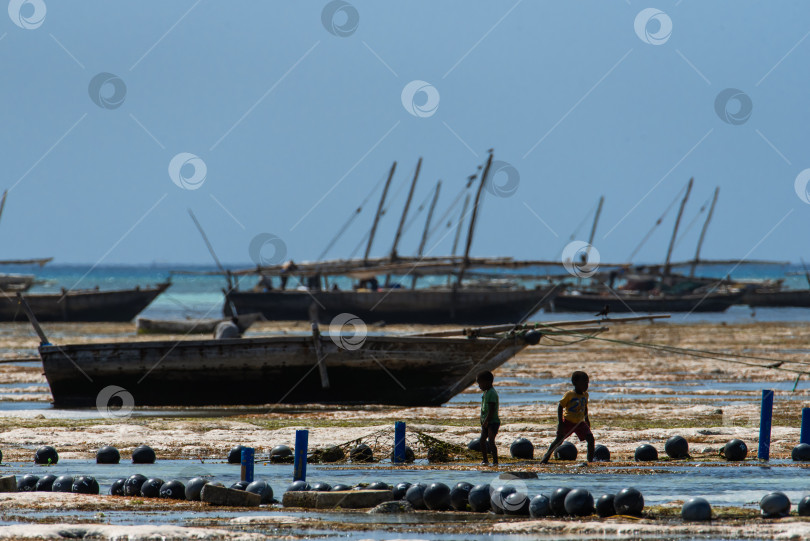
(202, 296)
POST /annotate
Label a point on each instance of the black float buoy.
(532, 337)
(143, 454)
(27, 483)
(85, 484)
(437, 454)
(522, 448)
(578, 503)
(416, 495)
(117, 488)
(332, 453)
(629, 501)
(151, 487)
(557, 501)
(194, 487)
(108, 455)
(478, 498)
(298, 486)
(566, 451)
(696, 509)
(361, 453)
(377, 485)
(263, 489)
(474, 445)
(340, 487)
(601, 453)
(320, 487)
(735, 450)
(804, 507)
(45, 483)
(801, 453)
(677, 447)
(400, 489)
(437, 497)
(646, 453)
(409, 455)
(539, 506)
(605, 506)
(460, 496)
(173, 490)
(240, 485)
(235, 455)
(280, 453)
(516, 503)
(775, 505)
(63, 483)
(498, 497)
(46, 455)
(132, 486)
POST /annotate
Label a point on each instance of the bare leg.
(591, 446)
(556, 443)
(484, 444)
(491, 443)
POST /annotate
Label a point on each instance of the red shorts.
(581, 429)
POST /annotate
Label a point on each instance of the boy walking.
(572, 416)
(490, 422)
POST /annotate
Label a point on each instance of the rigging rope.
(656, 224)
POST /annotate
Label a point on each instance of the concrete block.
(349, 499)
(8, 483)
(216, 495)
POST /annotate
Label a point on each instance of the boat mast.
(3, 202)
(379, 213)
(593, 228)
(703, 232)
(466, 260)
(459, 227)
(667, 266)
(427, 227)
(405, 210)
(211, 249)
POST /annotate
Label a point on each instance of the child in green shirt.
(490, 422)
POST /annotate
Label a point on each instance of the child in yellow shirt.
(572, 416)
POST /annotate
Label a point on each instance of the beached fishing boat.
(190, 326)
(16, 282)
(83, 304)
(415, 370)
(622, 302)
(777, 298)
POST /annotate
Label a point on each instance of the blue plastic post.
(766, 412)
(247, 464)
(805, 434)
(300, 464)
(399, 443)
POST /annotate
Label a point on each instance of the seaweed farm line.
(637, 396)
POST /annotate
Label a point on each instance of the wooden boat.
(644, 302)
(190, 326)
(16, 282)
(778, 298)
(467, 305)
(412, 371)
(83, 304)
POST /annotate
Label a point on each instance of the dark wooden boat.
(778, 298)
(83, 304)
(16, 282)
(402, 370)
(190, 326)
(644, 302)
(467, 305)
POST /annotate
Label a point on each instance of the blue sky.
(296, 125)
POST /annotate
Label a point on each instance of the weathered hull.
(411, 371)
(179, 326)
(85, 305)
(787, 298)
(718, 302)
(429, 306)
